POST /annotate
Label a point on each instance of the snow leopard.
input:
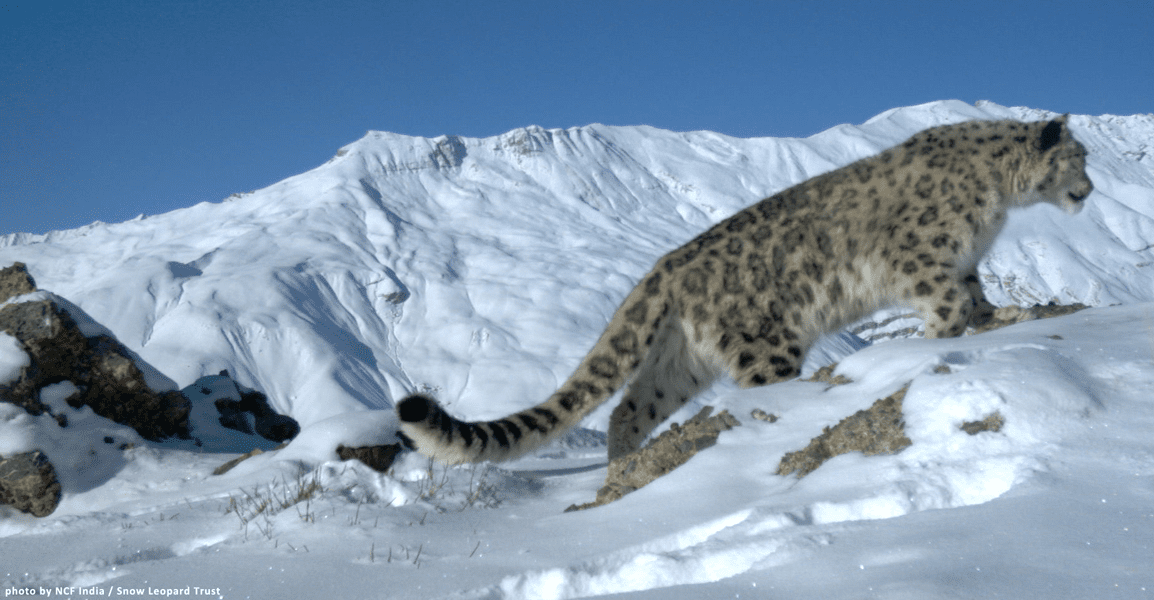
(749, 296)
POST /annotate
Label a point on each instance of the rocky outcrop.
(992, 422)
(242, 409)
(668, 451)
(28, 483)
(104, 376)
(101, 368)
(377, 458)
(878, 429)
(15, 281)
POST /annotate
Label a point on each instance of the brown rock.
(15, 281)
(876, 430)
(377, 458)
(668, 451)
(247, 410)
(993, 422)
(825, 375)
(28, 483)
(101, 367)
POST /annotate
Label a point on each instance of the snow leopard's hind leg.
(665, 381)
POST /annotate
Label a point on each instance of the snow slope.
(482, 270)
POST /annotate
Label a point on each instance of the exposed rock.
(993, 422)
(668, 451)
(876, 430)
(825, 375)
(277, 427)
(880, 429)
(103, 376)
(32, 324)
(761, 415)
(377, 458)
(232, 416)
(241, 408)
(28, 483)
(15, 281)
(116, 389)
(100, 367)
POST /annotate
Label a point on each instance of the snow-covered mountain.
(484, 269)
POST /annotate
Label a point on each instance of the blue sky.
(113, 109)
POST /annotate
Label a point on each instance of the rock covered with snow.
(62, 366)
(105, 375)
(68, 362)
(228, 416)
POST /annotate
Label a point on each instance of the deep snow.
(482, 270)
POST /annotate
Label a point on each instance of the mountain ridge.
(482, 269)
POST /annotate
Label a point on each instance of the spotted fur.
(749, 296)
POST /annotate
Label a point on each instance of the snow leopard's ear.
(1052, 133)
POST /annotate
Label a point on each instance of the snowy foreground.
(482, 270)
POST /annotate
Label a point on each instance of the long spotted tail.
(612, 361)
(437, 434)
